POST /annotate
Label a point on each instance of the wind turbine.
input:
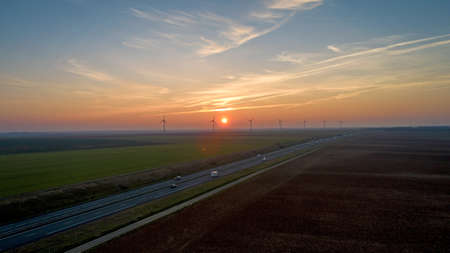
(251, 124)
(340, 123)
(213, 123)
(280, 124)
(163, 122)
(304, 124)
(324, 123)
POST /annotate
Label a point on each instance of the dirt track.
(382, 192)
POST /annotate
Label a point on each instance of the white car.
(177, 178)
(214, 173)
(172, 186)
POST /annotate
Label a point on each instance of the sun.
(224, 120)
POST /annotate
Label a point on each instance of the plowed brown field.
(384, 191)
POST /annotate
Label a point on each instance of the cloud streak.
(82, 70)
(422, 47)
(294, 4)
(392, 47)
(75, 67)
(177, 18)
(218, 34)
(266, 15)
(229, 95)
(236, 35)
(292, 58)
(334, 49)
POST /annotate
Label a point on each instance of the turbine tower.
(280, 124)
(304, 124)
(340, 123)
(163, 122)
(251, 124)
(324, 123)
(213, 123)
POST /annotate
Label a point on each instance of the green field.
(29, 172)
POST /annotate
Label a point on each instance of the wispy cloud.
(250, 91)
(77, 68)
(230, 96)
(292, 57)
(236, 35)
(267, 15)
(256, 101)
(395, 48)
(294, 4)
(210, 47)
(421, 47)
(413, 45)
(218, 34)
(334, 49)
(178, 18)
(83, 70)
(210, 34)
(237, 108)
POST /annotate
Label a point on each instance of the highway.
(16, 234)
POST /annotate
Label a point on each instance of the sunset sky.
(89, 65)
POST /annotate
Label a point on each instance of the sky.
(124, 65)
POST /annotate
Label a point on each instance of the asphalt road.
(16, 234)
